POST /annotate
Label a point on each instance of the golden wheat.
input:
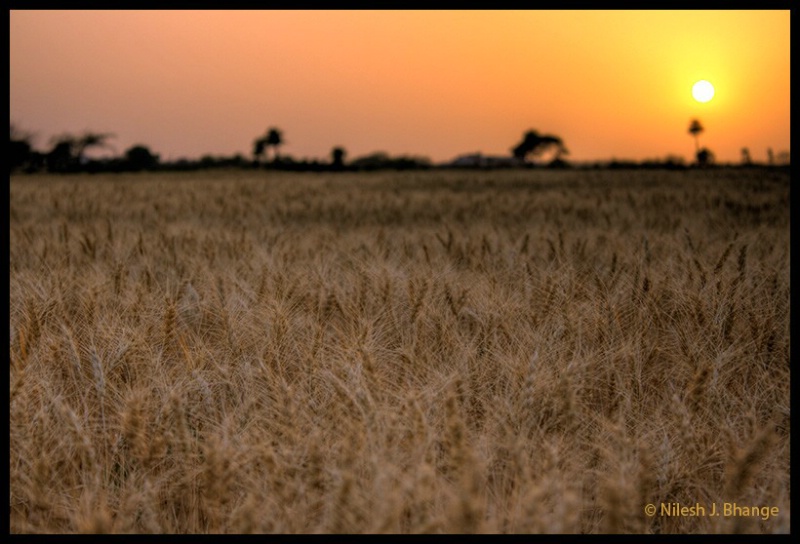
(436, 352)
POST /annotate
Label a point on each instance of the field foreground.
(400, 352)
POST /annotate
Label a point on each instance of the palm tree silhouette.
(274, 139)
(695, 128)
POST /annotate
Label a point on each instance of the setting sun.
(432, 83)
(399, 271)
(703, 91)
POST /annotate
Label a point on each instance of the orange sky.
(434, 83)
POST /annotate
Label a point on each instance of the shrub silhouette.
(139, 157)
(705, 157)
(19, 154)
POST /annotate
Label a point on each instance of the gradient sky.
(433, 83)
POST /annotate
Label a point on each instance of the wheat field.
(417, 352)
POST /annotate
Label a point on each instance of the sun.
(703, 91)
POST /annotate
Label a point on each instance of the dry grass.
(416, 352)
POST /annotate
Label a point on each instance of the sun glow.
(703, 91)
(459, 81)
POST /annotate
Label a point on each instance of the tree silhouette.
(705, 157)
(273, 138)
(746, 160)
(337, 157)
(695, 128)
(91, 139)
(20, 148)
(68, 152)
(61, 157)
(259, 145)
(536, 144)
(139, 157)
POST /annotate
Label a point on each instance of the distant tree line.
(68, 154)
